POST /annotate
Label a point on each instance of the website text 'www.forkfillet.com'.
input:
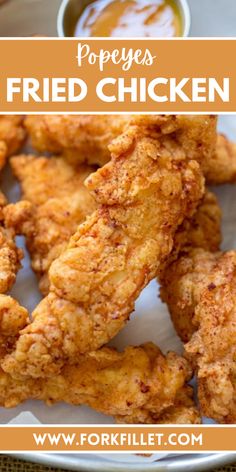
(120, 441)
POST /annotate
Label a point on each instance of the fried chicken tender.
(13, 318)
(139, 385)
(47, 226)
(200, 290)
(79, 138)
(202, 230)
(56, 202)
(86, 138)
(147, 189)
(3, 155)
(12, 132)
(221, 167)
(10, 255)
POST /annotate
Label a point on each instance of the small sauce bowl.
(71, 10)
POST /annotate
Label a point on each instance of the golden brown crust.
(182, 285)
(221, 167)
(56, 202)
(201, 290)
(12, 132)
(3, 154)
(10, 255)
(139, 385)
(147, 189)
(79, 138)
(86, 138)
(13, 318)
(202, 230)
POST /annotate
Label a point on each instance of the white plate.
(86, 462)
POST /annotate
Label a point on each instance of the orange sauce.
(130, 18)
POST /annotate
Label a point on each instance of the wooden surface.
(8, 464)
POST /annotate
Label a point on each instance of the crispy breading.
(79, 138)
(202, 230)
(86, 138)
(3, 154)
(47, 226)
(221, 167)
(182, 284)
(10, 255)
(200, 290)
(147, 189)
(12, 132)
(56, 202)
(139, 385)
(13, 318)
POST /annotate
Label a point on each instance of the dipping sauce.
(130, 18)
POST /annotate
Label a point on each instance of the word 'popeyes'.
(117, 56)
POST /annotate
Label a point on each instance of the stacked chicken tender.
(97, 236)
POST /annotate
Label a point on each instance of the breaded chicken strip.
(56, 203)
(202, 230)
(146, 191)
(200, 290)
(79, 138)
(10, 255)
(13, 318)
(48, 227)
(12, 132)
(221, 168)
(86, 138)
(139, 385)
(3, 156)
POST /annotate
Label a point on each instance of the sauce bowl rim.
(184, 6)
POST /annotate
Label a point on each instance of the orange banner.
(117, 75)
(117, 438)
